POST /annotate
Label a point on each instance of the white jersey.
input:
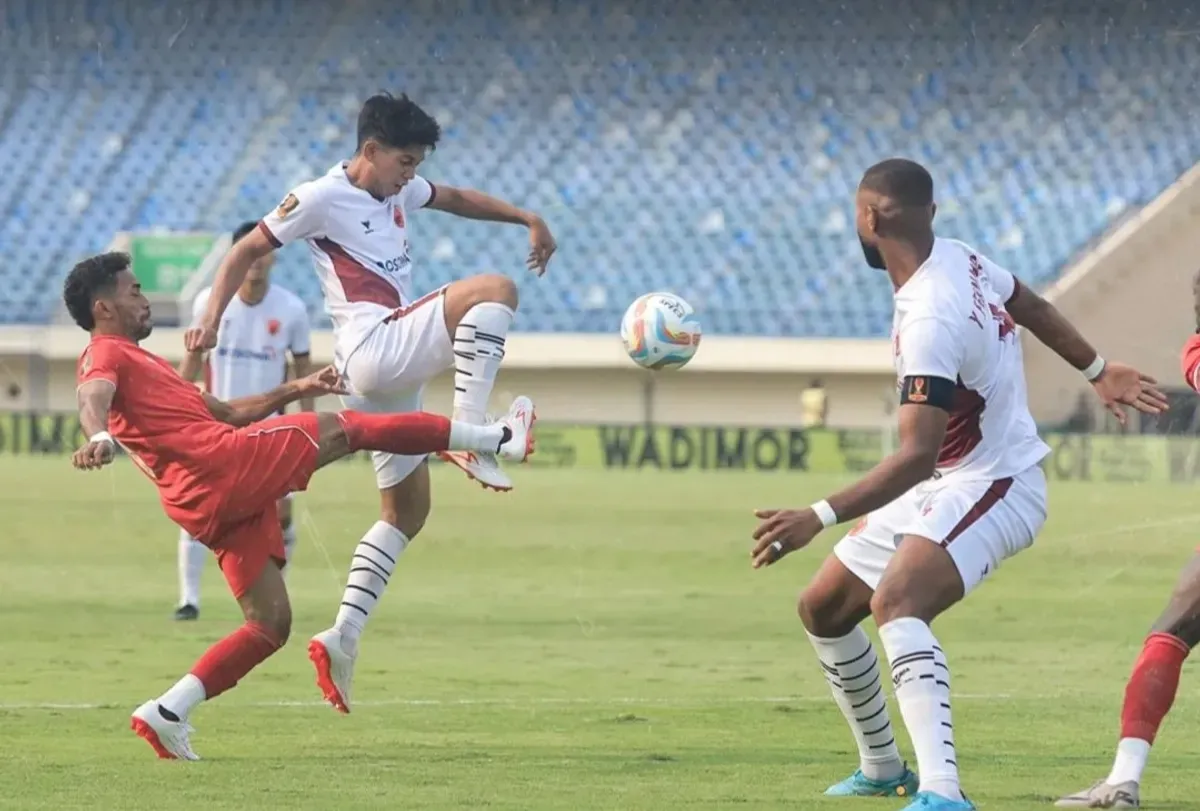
(253, 342)
(950, 322)
(359, 247)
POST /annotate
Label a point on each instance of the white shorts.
(981, 523)
(388, 371)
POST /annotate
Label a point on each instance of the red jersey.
(160, 419)
(1191, 362)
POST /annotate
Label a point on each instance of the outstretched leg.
(1149, 694)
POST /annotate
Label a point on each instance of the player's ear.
(871, 220)
(932, 211)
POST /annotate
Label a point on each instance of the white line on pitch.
(523, 702)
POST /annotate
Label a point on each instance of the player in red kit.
(221, 467)
(1151, 688)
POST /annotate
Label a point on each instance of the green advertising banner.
(164, 262)
(1073, 457)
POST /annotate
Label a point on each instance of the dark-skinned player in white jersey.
(963, 492)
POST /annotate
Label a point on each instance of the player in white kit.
(388, 341)
(263, 325)
(963, 493)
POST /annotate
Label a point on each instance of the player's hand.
(780, 532)
(541, 246)
(200, 339)
(325, 381)
(1121, 385)
(94, 455)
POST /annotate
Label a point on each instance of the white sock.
(852, 670)
(185, 695)
(921, 679)
(374, 561)
(192, 555)
(1132, 754)
(468, 436)
(478, 350)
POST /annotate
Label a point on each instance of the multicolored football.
(660, 331)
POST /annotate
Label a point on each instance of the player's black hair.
(94, 276)
(396, 122)
(243, 230)
(906, 183)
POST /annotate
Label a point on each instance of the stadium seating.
(710, 148)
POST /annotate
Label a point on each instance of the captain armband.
(924, 390)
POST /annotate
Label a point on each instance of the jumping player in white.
(388, 344)
(963, 492)
(263, 325)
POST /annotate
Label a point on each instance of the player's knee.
(277, 619)
(497, 287)
(823, 613)
(406, 510)
(893, 600)
(1181, 619)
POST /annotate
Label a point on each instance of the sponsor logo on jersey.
(268, 353)
(287, 206)
(273, 326)
(394, 265)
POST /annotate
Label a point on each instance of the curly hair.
(96, 275)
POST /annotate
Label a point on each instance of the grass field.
(590, 641)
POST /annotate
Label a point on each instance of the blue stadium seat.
(708, 148)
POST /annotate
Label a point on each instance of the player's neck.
(358, 172)
(903, 260)
(252, 296)
(106, 331)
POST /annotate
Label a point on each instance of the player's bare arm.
(246, 410)
(192, 365)
(1115, 383)
(302, 368)
(230, 275)
(922, 429)
(95, 399)
(475, 205)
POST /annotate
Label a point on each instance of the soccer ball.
(660, 331)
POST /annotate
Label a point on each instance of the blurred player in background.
(963, 492)
(221, 467)
(1151, 688)
(389, 343)
(263, 325)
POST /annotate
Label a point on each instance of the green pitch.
(589, 641)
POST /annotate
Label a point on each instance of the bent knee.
(276, 620)
(826, 614)
(892, 602)
(407, 512)
(493, 287)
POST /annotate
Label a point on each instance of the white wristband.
(1094, 369)
(102, 436)
(825, 513)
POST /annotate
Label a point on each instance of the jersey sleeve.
(300, 215)
(1190, 362)
(1003, 282)
(200, 304)
(100, 361)
(300, 335)
(932, 350)
(418, 193)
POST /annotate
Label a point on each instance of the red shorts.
(236, 515)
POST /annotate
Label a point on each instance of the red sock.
(225, 663)
(1151, 689)
(409, 434)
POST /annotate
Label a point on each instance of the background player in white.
(388, 343)
(263, 325)
(963, 492)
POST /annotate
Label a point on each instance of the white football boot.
(1104, 795)
(335, 667)
(168, 738)
(482, 466)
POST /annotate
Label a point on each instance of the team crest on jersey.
(273, 326)
(859, 527)
(287, 206)
(86, 365)
(398, 216)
